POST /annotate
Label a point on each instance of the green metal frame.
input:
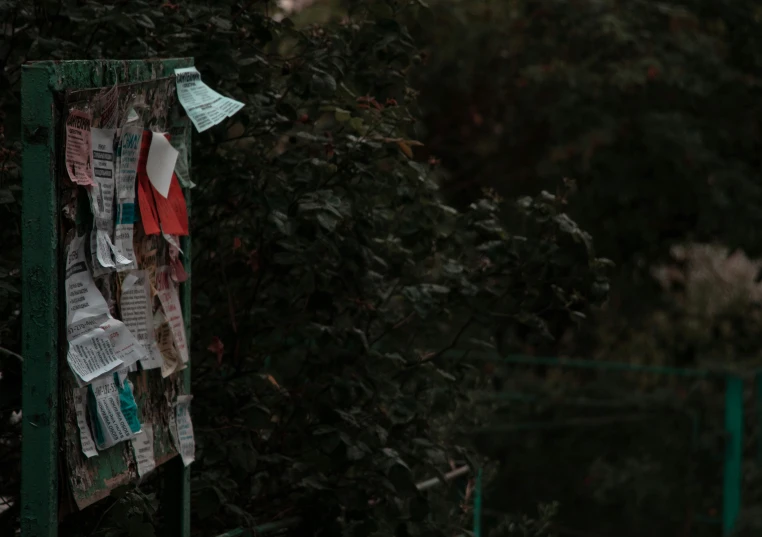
(42, 82)
(734, 423)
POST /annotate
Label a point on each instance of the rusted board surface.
(93, 479)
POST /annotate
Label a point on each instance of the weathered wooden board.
(91, 480)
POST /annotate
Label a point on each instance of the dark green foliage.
(652, 107)
(330, 277)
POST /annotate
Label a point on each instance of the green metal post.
(758, 413)
(179, 475)
(478, 505)
(731, 493)
(39, 485)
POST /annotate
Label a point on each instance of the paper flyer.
(86, 308)
(91, 355)
(78, 147)
(155, 359)
(98, 343)
(95, 250)
(170, 303)
(128, 153)
(142, 445)
(103, 349)
(147, 255)
(135, 308)
(185, 438)
(204, 106)
(88, 446)
(116, 414)
(102, 199)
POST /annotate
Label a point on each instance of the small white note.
(161, 163)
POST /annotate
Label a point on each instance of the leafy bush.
(650, 106)
(332, 284)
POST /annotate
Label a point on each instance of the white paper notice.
(185, 429)
(128, 153)
(102, 199)
(91, 355)
(98, 343)
(161, 163)
(78, 148)
(86, 308)
(142, 445)
(170, 303)
(204, 106)
(88, 446)
(135, 306)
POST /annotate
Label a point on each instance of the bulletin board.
(60, 99)
(106, 280)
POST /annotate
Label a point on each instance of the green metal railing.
(733, 426)
(733, 418)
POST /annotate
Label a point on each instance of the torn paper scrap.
(106, 103)
(204, 106)
(154, 359)
(160, 164)
(177, 271)
(111, 401)
(174, 245)
(142, 445)
(78, 147)
(146, 253)
(185, 439)
(165, 351)
(86, 308)
(98, 343)
(170, 303)
(182, 170)
(86, 439)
